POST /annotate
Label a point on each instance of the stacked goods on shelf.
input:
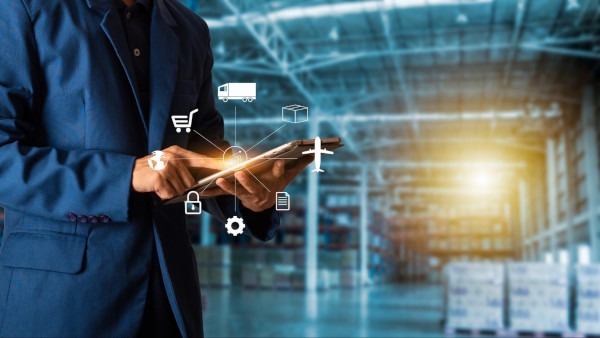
(203, 261)
(349, 276)
(266, 277)
(587, 314)
(214, 265)
(220, 265)
(298, 280)
(250, 275)
(283, 276)
(538, 297)
(475, 296)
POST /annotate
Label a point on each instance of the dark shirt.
(158, 319)
(136, 24)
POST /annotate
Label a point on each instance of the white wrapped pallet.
(283, 276)
(250, 275)
(203, 275)
(334, 278)
(348, 278)
(587, 313)
(298, 279)
(202, 254)
(349, 259)
(323, 279)
(220, 275)
(475, 296)
(220, 255)
(538, 297)
(266, 277)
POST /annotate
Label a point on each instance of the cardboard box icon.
(294, 113)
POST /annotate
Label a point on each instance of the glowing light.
(333, 9)
(234, 156)
(482, 179)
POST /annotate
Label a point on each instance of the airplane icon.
(318, 151)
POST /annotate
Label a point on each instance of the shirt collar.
(148, 4)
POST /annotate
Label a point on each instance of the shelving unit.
(459, 232)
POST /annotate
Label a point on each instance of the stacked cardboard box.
(250, 275)
(266, 277)
(203, 261)
(283, 276)
(220, 265)
(588, 299)
(538, 297)
(214, 265)
(475, 296)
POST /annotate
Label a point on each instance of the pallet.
(451, 332)
(543, 334)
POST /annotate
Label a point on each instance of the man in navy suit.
(87, 89)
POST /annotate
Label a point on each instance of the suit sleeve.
(261, 225)
(45, 181)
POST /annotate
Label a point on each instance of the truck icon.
(237, 91)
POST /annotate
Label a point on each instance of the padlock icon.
(193, 206)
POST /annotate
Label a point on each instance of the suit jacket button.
(92, 219)
(105, 219)
(82, 219)
(72, 217)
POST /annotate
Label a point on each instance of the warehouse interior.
(465, 200)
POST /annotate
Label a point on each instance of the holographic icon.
(317, 152)
(183, 121)
(158, 161)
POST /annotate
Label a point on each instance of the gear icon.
(240, 225)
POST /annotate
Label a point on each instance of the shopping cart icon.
(183, 121)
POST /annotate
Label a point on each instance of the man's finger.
(164, 189)
(185, 176)
(200, 161)
(176, 183)
(195, 160)
(231, 188)
(278, 168)
(249, 183)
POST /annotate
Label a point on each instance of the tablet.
(289, 152)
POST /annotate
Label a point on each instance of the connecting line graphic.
(207, 140)
(235, 145)
(235, 126)
(208, 185)
(195, 158)
(261, 183)
(267, 137)
(234, 193)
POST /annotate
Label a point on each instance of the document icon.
(282, 202)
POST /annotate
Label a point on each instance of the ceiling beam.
(392, 117)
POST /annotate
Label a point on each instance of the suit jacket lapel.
(112, 27)
(164, 56)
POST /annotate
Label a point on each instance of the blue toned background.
(471, 148)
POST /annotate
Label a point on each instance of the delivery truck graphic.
(237, 91)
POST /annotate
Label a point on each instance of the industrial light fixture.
(333, 34)
(333, 9)
(220, 48)
(572, 5)
(462, 18)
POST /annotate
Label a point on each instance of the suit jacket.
(77, 244)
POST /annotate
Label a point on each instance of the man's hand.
(258, 193)
(175, 178)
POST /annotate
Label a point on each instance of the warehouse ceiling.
(415, 84)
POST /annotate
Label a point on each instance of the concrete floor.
(377, 311)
